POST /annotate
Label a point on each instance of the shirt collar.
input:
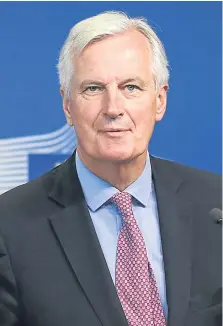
(97, 191)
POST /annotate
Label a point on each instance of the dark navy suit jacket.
(52, 269)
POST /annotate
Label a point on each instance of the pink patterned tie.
(134, 279)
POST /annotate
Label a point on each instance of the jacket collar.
(74, 229)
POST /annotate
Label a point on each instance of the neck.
(118, 174)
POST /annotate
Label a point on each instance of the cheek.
(84, 114)
(143, 117)
(145, 128)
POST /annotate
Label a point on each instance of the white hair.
(101, 26)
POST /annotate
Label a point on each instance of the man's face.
(113, 104)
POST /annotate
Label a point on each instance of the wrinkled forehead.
(115, 57)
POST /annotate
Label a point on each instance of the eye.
(131, 87)
(93, 89)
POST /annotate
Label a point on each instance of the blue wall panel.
(31, 35)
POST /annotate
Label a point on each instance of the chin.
(117, 155)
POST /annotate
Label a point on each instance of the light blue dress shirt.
(108, 222)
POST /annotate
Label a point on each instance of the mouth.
(115, 132)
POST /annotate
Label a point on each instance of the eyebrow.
(87, 82)
(134, 80)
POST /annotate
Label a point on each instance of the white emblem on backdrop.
(14, 154)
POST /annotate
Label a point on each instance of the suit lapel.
(76, 234)
(175, 224)
(75, 231)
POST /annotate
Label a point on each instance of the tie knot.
(123, 200)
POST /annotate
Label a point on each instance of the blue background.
(31, 36)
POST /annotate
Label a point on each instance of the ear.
(66, 107)
(161, 102)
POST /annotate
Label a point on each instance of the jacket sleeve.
(9, 307)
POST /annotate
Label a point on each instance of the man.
(113, 236)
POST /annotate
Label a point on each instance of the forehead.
(116, 57)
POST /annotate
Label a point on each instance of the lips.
(115, 130)
(115, 133)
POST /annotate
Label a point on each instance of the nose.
(112, 104)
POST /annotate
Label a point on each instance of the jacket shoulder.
(187, 171)
(196, 184)
(30, 199)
